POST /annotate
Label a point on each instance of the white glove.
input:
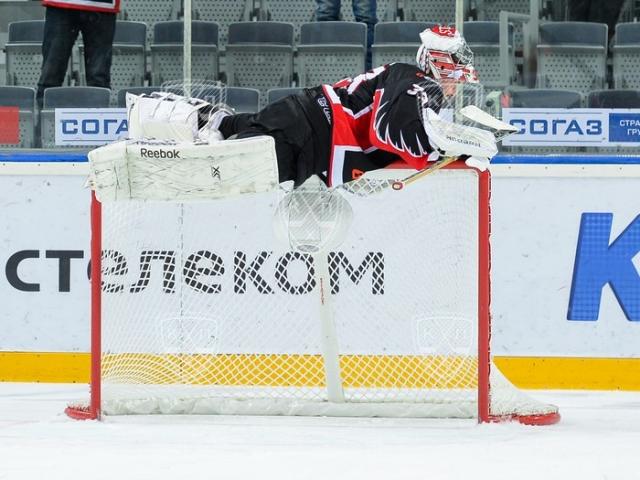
(479, 163)
(454, 139)
(163, 116)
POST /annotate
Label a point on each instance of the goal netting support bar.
(199, 307)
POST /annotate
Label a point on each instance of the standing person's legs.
(60, 33)
(98, 29)
(365, 12)
(327, 10)
(578, 10)
(607, 12)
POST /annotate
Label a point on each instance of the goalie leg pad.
(183, 171)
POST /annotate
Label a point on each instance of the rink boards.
(552, 326)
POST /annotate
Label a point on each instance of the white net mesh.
(206, 310)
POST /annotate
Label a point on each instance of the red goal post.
(400, 353)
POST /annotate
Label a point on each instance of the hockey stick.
(400, 184)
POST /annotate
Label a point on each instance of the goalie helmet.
(445, 54)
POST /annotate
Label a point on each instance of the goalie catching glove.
(167, 116)
(455, 140)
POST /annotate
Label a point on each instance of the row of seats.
(247, 100)
(297, 12)
(261, 54)
(243, 100)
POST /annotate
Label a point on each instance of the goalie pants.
(300, 129)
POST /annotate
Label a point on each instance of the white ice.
(597, 438)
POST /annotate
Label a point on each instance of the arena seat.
(484, 40)
(128, 63)
(122, 93)
(68, 97)
(260, 55)
(296, 13)
(626, 56)
(275, 94)
(439, 11)
(329, 51)
(167, 58)
(397, 42)
(243, 100)
(24, 53)
(489, 10)
(545, 98)
(25, 99)
(623, 98)
(224, 13)
(150, 12)
(572, 55)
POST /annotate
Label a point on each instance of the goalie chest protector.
(375, 123)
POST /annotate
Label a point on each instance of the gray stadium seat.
(150, 12)
(25, 99)
(614, 99)
(243, 100)
(167, 51)
(275, 94)
(572, 55)
(68, 97)
(260, 55)
(224, 13)
(626, 56)
(545, 98)
(24, 52)
(128, 63)
(438, 11)
(490, 10)
(397, 42)
(484, 40)
(386, 10)
(295, 12)
(122, 94)
(330, 51)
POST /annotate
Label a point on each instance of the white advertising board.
(574, 127)
(536, 225)
(89, 126)
(537, 220)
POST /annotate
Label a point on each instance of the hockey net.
(204, 309)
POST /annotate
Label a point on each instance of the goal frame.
(92, 410)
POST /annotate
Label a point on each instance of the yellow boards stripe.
(386, 371)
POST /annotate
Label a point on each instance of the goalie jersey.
(376, 122)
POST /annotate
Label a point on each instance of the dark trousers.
(600, 11)
(302, 143)
(61, 29)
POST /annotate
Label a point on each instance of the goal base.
(79, 412)
(541, 419)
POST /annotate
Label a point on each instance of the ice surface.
(597, 438)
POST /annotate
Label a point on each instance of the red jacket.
(109, 6)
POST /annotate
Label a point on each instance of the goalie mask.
(445, 55)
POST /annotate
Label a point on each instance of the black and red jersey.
(376, 122)
(108, 6)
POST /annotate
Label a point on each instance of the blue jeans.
(61, 28)
(363, 10)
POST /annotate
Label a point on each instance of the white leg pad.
(183, 171)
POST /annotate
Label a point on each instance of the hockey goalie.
(392, 114)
